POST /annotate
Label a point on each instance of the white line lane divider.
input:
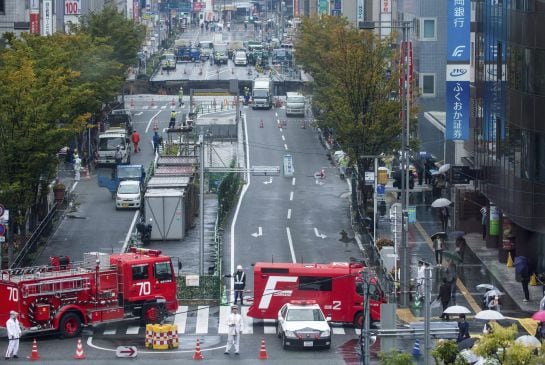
(283, 138)
(291, 195)
(289, 213)
(292, 251)
(151, 120)
(285, 146)
(293, 182)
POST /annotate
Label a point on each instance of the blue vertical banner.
(458, 69)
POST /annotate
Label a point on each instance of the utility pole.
(201, 206)
(427, 314)
(365, 356)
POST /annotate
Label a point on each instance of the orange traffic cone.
(197, 355)
(262, 351)
(80, 355)
(34, 355)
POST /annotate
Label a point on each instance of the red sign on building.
(35, 23)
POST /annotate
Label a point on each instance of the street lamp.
(405, 102)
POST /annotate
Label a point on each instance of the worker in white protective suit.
(13, 328)
(234, 324)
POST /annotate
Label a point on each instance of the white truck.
(295, 104)
(262, 93)
(108, 143)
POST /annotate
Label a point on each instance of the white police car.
(303, 324)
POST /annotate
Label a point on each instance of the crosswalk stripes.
(204, 320)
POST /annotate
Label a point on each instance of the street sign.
(126, 351)
(369, 177)
(2, 209)
(4, 218)
(412, 214)
(2, 239)
(2, 229)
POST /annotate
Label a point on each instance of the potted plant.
(381, 242)
(59, 191)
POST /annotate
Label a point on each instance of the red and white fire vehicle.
(103, 288)
(337, 287)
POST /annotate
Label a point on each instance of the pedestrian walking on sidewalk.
(135, 137)
(156, 142)
(484, 220)
(461, 245)
(452, 276)
(240, 284)
(77, 168)
(420, 277)
(13, 328)
(522, 268)
(118, 156)
(444, 217)
(234, 323)
(444, 297)
(438, 246)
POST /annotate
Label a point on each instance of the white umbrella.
(486, 287)
(489, 315)
(444, 168)
(441, 202)
(529, 341)
(457, 309)
(493, 292)
(470, 356)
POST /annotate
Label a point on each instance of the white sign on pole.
(369, 177)
(72, 7)
(4, 218)
(360, 11)
(47, 17)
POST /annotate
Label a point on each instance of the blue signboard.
(459, 21)
(457, 112)
(323, 7)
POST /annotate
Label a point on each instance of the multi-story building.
(509, 141)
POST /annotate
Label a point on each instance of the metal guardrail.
(34, 238)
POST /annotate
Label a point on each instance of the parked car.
(303, 324)
(129, 194)
(240, 58)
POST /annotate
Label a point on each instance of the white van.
(295, 104)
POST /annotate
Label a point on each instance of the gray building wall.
(16, 11)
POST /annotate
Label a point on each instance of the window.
(427, 84)
(428, 29)
(161, 271)
(2, 7)
(317, 283)
(140, 272)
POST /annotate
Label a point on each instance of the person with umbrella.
(444, 218)
(463, 328)
(444, 297)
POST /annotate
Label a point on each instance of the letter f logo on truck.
(270, 289)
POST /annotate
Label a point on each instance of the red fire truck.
(337, 287)
(67, 296)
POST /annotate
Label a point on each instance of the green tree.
(355, 86)
(445, 352)
(112, 28)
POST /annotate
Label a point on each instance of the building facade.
(509, 147)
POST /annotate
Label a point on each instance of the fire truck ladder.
(56, 287)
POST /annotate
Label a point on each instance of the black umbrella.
(520, 263)
(439, 234)
(467, 343)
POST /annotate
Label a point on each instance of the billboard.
(47, 18)
(72, 7)
(458, 69)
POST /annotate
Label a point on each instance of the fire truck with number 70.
(66, 296)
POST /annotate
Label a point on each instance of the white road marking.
(133, 330)
(145, 107)
(247, 321)
(358, 331)
(338, 330)
(291, 195)
(276, 114)
(289, 213)
(110, 331)
(292, 251)
(180, 318)
(269, 330)
(293, 182)
(225, 310)
(259, 232)
(285, 146)
(155, 107)
(151, 120)
(163, 107)
(202, 319)
(139, 113)
(283, 138)
(318, 234)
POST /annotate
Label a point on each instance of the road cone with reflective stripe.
(416, 349)
(509, 260)
(197, 355)
(34, 355)
(263, 351)
(533, 280)
(80, 355)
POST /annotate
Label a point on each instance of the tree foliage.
(395, 357)
(354, 83)
(49, 88)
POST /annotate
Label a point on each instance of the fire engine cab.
(104, 287)
(336, 287)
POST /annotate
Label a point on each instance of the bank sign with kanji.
(458, 69)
